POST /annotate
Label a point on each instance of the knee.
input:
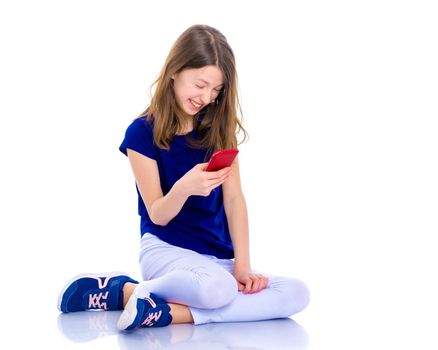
(217, 291)
(296, 296)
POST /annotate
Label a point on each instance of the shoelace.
(94, 301)
(152, 317)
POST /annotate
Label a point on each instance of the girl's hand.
(199, 182)
(249, 282)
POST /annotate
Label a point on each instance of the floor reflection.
(271, 334)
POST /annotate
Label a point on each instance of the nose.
(207, 96)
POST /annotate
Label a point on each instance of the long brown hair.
(197, 47)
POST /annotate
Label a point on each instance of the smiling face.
(197, 87)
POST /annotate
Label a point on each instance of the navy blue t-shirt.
(201, 225)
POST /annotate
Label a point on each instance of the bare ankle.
(180, 313)
(128, 289)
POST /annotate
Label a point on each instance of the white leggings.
(206, 284)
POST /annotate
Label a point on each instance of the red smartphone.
(221, 159)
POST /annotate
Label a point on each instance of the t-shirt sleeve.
(139, 137)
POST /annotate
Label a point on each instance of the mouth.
(195, 104)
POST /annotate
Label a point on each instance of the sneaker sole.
(129, 314)
(85, 275)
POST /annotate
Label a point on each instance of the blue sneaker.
(150, 311)
(94, 292)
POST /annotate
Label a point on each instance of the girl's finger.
(223, 172)
(248, 286)
(215, 184)
(256, 283)
(263, 283)
(263, 280)
(218, 176)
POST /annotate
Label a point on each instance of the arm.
(237, 216)
(161, 209)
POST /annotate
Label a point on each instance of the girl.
(194, 254)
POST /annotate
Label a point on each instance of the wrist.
(180, 191)
(240, 265)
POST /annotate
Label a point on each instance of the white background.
(340, 172)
